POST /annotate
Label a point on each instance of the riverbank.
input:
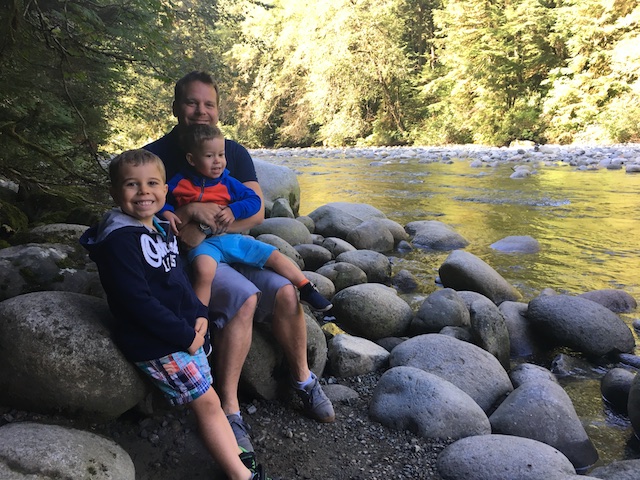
(166, 445)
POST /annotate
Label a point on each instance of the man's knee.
(287, 300)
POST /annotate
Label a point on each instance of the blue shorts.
(233, 286)
(234, 248)
(181, 377)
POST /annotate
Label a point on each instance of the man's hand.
(200, 213)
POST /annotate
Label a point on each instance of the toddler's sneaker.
(249, 460)
(260, 474)
(310, 295)
(316, 403)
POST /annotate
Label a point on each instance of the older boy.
(160, 325)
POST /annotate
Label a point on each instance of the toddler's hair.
(195, 135)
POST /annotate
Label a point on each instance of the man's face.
(198, 105)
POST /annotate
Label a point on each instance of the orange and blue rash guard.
(188, 187)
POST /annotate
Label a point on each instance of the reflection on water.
(587, 223)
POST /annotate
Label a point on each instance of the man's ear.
(174, 108)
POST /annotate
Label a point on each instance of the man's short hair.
(194, 135)
(133, 157)
(195, 76)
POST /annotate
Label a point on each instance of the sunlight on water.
(587, 224)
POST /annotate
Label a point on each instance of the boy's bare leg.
(204, 269)
(217, 435)
(232, 345)
(290, 330)
(285, 267)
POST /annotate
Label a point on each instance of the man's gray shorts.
(232, 286)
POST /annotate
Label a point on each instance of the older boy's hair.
(195, 76)
(195, 135)
(133, 157)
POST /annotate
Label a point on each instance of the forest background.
(81, 80)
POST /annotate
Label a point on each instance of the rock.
(322, 283)
(278, 182)
(337, 219)
(543, 411)
(461, 333)
(397, 231)
(371, 235)
(371, 311)
(517, 244)
(281, 208)
(314, 256)
(285, 248)
(337, 246)
(343, 274)
(473, 370)
(404, 281)
(350, 356)
(620, 470)
(389, 343)
(408, 398)
(502, 457)
(64, 233)
(288, 229)
(56, 354)
(489, 330)
(35, 451)
(464, 271)
(340, 393)
(440, 309)
(615, 387)
(307, 221)
(435, 235)
(54, 266)
(618, 301)
(261, 372)
(523, 341)
(581, 324)
(374, 264)
(528, 372)
(633, 405)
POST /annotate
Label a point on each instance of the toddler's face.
(209, 159)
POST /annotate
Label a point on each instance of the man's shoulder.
(164, 143)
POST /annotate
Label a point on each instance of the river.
(586, 221)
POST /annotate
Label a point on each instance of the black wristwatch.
(206, 229)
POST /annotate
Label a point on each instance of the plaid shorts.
(181, 377)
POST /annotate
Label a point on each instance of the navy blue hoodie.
(148, 291)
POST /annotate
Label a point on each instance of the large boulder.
(581, 324)
(633, 405)
(407, 398)
(49, 266)
(502, 457)
(517, 244)
(343, 274)
(489, 330)
(473, 370)
(615, 387)
(289, 229)
(276, 182)
(620, 470)
(338, 219)
(314, 256)
(372, 311)
(434, 235)
(262, 372)
(350, 356)
(543, 411)
(33, 451)
(464, 271)
(374, 264)
(618, 301)
(284, 247)
(440, 309)
(371, 235)
(56, 355)
(522, 336)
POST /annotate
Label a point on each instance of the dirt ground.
(166, 445)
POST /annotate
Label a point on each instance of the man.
(244, 292)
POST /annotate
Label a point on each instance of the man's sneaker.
(316, 404)
(310, 295)
(241, 431)
(260, 474)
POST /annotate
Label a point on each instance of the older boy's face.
(142, 191)
(199, 105)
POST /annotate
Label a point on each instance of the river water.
(587, 223)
